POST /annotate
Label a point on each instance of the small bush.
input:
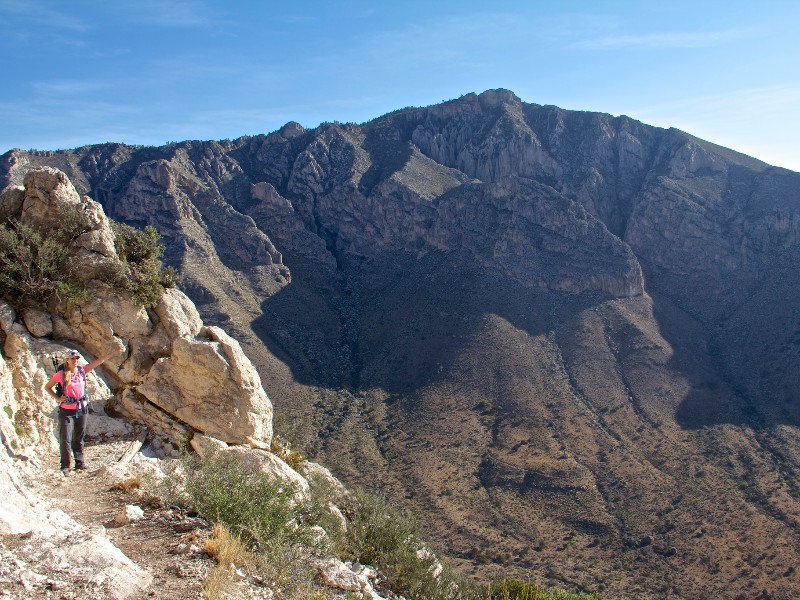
(72, 292)
(254, 508)
(317, 511)
(34, 265)
(253, 505)
(144, 276)
(73, 222)
(388, 540)
(516, 589)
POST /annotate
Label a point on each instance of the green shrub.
(263, 513)
(34, 266)
(72, 292)
(73, 221)
(516, 589)
(388, 539)
(144, 276)
(253, 505)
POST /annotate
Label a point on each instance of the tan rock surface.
(207, 384)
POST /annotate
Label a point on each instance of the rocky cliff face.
(173, 361)
(531, 323)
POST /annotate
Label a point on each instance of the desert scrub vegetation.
(258, 508)
(143, 274)
(388, 539)
(260, 526)
(254, 514)
(516, 589)
(33, 264)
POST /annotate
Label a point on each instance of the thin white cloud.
(759, 99)
(174, 13)
(24, 13)
(62, 88)
(660, 40)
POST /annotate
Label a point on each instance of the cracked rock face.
(209, 384)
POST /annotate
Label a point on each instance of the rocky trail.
(165, 543)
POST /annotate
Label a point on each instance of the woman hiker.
(72, 409)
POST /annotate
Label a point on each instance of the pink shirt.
(76, 385)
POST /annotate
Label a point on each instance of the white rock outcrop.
(178, 376)
(349, 576)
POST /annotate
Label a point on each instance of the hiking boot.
(66, 471)
(80, 467)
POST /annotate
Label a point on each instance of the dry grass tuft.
(229, 552)
(128, 485)
(283, 450)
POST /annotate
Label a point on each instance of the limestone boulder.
(46, 195)
(88, 266)
(204, 445)
(208, 383)
(108, 314)
(322, 481)
(143, 352)
(46, 189)
(8, 400)
(96, 561)
(101, 238)
(38, 322)
(23, 512)
(178, 314)
(7, 316)
(104, 427)
(348, 576)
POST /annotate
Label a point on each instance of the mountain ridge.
(500, 306)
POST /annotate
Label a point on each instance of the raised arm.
(98, 361)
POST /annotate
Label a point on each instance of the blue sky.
(151, 71)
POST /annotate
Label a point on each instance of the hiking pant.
(71, 431)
